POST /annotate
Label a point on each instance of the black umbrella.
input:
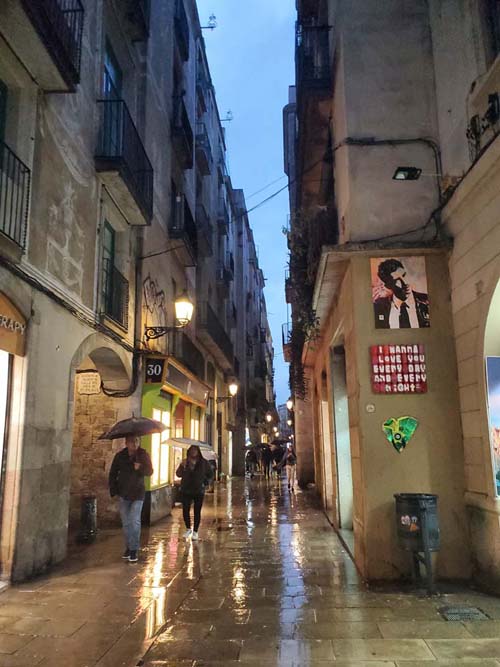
(135, 426)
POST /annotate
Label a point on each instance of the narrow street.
(268, 584)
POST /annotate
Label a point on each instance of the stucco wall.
(472, 218)
(433, 460)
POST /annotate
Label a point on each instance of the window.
(195, 423)
(4, 388)
(160, 450)
(108, 262)
(113, 76)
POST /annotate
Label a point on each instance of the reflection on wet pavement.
(268, 584)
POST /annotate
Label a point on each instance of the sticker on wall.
(400, 431)
(399, 293)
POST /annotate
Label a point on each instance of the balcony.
(223, 280)
(46, 36)
(182, 134)
(213, 335)
(205, 231)
(183, 229)
(183, 349)
(223, 218)
(288, 289)
(123, 163)
(203, 150)
(202, 87)
(181, 27)
(14, 196)
(116, 295)
(230, 264)
(312, 59)
(138, 15)
(286, 339)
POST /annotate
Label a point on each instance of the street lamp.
(233, 390)
(184, 308)
(289, 422)
(269, 418)
(289, 404)
(275, 429)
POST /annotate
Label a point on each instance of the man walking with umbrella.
(126, 480)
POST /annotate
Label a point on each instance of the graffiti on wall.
(154, 303)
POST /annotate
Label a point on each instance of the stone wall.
(91, 458)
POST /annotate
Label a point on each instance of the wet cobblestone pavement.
(269, 584)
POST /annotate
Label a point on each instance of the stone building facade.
(114, 201)
(396, 159)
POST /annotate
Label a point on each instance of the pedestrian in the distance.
(195, 474)
(289, 460)
(126, 480)
(267, 460)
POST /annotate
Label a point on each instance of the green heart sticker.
(400, 431)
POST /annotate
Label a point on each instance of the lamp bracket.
(157, 332)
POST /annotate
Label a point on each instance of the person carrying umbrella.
(195, 474)
(126, 479)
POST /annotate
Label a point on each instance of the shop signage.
(155, 367)
(398, 369)
(88, 383)
(180, 382)
(12, 327)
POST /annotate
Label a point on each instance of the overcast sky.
(251, 57)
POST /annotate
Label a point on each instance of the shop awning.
(206, 449)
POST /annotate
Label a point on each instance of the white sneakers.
(191, 534)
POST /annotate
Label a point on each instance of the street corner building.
(116, 207)
(392, 153)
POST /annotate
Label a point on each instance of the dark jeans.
(187, 499)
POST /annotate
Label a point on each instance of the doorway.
(342, 440)
(326, 440)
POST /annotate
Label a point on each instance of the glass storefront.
(4, 389)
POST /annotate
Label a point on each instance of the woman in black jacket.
(195, 474)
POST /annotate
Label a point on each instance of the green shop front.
(173, 395)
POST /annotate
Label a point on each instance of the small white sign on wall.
(88, 383)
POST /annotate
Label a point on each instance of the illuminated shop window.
(195, 423)
(178, 456)
(160, 451)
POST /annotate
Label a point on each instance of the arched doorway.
(98, 370)
(492, 370)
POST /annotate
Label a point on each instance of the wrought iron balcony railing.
(182, 134)
(223, 217)
(313, 57)
(181, 26)
(121, 150)
(59, 24)
(203, 150)
(183, 349)
(183, 227)
(14, 196)
(116, 294)
(205, 231)
(214, 333)
(286, 339)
